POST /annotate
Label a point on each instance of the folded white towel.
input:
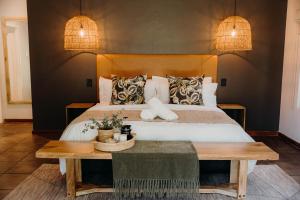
(161, 110)
(148, 114)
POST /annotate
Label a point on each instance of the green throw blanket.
(156, 169)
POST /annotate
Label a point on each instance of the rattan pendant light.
(234, 34)
(81, 33)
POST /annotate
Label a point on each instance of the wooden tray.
(113, 147)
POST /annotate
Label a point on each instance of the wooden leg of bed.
(70, 178)
(234, 171)
(78, 171)
(242, 179)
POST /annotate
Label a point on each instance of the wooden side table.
(236, 112)
(73, 110)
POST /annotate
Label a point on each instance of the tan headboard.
(160, 65)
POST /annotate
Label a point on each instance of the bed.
(127, 65)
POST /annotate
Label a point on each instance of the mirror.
(16, 57)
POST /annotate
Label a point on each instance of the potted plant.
(105, 130)
(105, 127)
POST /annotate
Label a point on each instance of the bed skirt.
(99, 172)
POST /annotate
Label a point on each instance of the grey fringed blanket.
(156, 169)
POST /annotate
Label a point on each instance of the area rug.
(266, 182)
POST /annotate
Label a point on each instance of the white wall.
(11, 8)
(290, 97)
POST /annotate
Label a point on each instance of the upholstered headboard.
(160, 65)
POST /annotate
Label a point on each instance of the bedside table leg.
(70, 178)
(244, 119)
(67, 117)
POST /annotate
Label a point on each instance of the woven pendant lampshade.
(81, 33)
(234, 34)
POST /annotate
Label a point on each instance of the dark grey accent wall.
(154, 27)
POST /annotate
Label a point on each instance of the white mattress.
(204, 132)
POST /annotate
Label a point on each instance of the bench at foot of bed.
(238, 152)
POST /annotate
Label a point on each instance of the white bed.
(204, 132)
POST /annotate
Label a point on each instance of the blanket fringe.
(155, 188)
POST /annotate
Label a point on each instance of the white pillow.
(209, 94)
(105, 89)
(207, 79)
(149, 90)
(162, 89)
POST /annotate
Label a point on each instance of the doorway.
(15, 81)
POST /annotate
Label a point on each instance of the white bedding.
(203, 132)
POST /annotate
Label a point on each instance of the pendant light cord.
(80, 7)
(234, 7)
(80, 10)
(234, 13)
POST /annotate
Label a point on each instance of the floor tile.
(31, 157)
(24, 147)
(9, 140)
(289, 167)
(4, 146)
(26, 167)
(12, 156)
(3, 193)
(10, 181)
(4, 166)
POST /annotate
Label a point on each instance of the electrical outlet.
(223, 82)
(89, 82)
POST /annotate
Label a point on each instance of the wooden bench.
(238, 153)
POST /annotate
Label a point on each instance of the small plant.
(105, 124)
(116, 121)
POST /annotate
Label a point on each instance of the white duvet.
(204, 132)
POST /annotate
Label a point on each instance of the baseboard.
(17, 120)
(290, 141)
(51, 134)
(263, 133)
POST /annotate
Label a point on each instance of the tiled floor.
(18, 146)
(17, 149)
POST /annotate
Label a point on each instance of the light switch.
(89, 82)
(223, 82)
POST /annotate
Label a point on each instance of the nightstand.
(236, 112)
(73, 110)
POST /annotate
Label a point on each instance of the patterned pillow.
(185, 90)
(128, 90)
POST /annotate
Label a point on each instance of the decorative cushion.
(128, 90)
(186, 90)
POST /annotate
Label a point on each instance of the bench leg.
(234, 171)
(242, 179)
(70, 178)
(78, 171)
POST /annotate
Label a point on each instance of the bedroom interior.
(140, 99)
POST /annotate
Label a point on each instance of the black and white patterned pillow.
(128, 90)
(186, 90)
